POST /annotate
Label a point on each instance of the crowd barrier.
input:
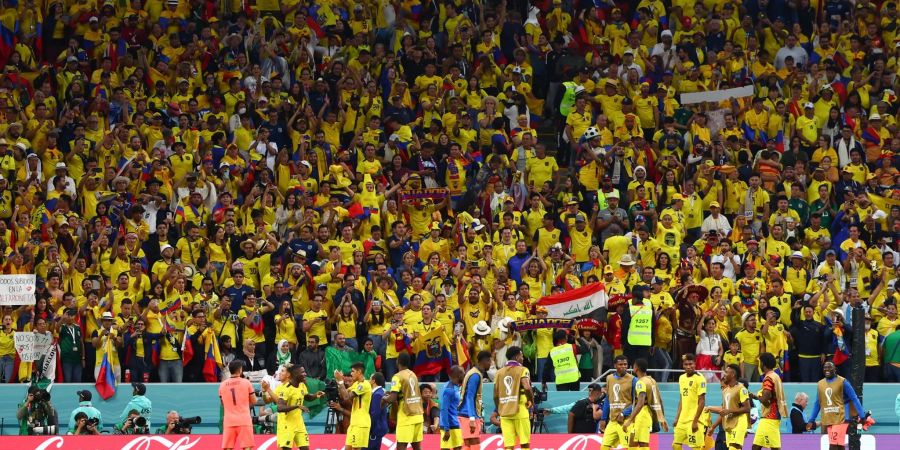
(336, 442)
(201, 399)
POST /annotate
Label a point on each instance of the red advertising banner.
(267, 442)
(336, 442)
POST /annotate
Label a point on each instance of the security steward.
(565, 366)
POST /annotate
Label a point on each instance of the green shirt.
(801, 207)
(71, 345)
(891, 347)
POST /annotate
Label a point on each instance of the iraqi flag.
(106, 379)
(575, 303)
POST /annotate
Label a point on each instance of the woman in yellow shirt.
(285, 325)
(824, 149)
(345, 321)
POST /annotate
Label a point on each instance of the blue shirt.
(377, 413)
(237, 295)
(450, 407)
(849, 394)
(87, 408)
(468, 403)
(140, 404)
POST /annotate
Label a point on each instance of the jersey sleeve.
(701, 387)
(639, 388)
(743, 395)
(395, 384)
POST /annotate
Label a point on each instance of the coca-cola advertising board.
(267, 442)
(336, 442)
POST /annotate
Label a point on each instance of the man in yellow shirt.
(360, 395)
(808, 128)
(540, 169)
(407, 400)
(513, 395)
(692, 389)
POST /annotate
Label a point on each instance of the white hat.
(874, 116)
(482, 328)
(60, 165)
(797, 255)
(636, 168)
(107, 316)
(164, 247)
(503, 324)
(808, 105)
(477, 225)
(24, 147)
(93, 19)
(892, 283)
(746, 316)
(188, 271)
(665, 33)
(306, 163)
(262, 98)
(838, 311)
(300, 252)
(626, 260)
(613, 194)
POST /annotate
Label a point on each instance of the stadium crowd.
(195, 182)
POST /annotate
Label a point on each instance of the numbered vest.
(640, 332)
(507, 385)
(831, 398)
(731, 399)
(619, 394)
(564, 363)
(410, 397)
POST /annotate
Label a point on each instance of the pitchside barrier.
(201, 399)
(336, 442)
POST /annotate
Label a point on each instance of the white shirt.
(709, 344)
(719, 224)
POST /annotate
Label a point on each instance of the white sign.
(32, 346)
(17, 290)
(716, 96)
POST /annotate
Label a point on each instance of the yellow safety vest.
(640, 332)
(564, 363)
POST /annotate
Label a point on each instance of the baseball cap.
(84, 396)
(139, 388)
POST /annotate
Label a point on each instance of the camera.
(539, 396)
(93, 421)
(264, 419)
(41, 395)
(331, 391)
(140, 422)
(47, 430)
(184, 424)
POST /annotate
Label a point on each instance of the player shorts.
(515, 431)
(292, 438)
(614, 435)
(736, 437)
(410, 433)
(357, 436)
(237, 437)
(768, 433)
(640, 429)
(455, 440)
(685, 436)
(465, 428)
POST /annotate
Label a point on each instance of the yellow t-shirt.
(690, 388)
(359, 412)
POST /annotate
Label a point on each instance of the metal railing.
(602, 378)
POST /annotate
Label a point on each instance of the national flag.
(462, 352)
(212, 363)
(9, 23)
(779, 141)
(432, 353)
(106, 378)
(871, 137)
(171, 307)
(575, 303)
(187, 348)
(256, 323)
(752, 135)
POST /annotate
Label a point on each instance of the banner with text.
(17, 290)
(432, 441)
(32, 346)
(267, 442)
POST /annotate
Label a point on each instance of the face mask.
(868, 326)
(242, 111)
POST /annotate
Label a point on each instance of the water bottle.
(127, 375)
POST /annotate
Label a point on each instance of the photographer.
(584, 415)
(85, 407)
(84, 425)
(138, 403)
(175, 424)
(37, 416)
(134, 423)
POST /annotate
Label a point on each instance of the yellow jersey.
(690, 388)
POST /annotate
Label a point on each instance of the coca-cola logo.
(137, 443)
